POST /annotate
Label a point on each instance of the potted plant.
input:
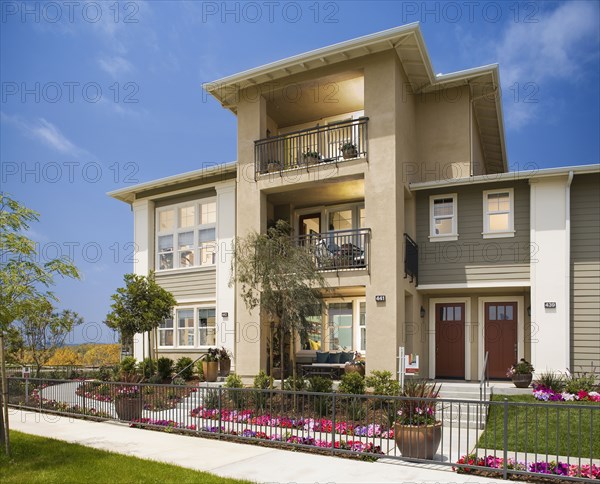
(224, 361)
(357, 365)
(311, 158)
(417, 432)
(273, 166)
(349, 150)
(210, 364)
(521, 373)
(128, 397)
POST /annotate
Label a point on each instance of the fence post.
(333, 425)
(220, 414)
(505, 443)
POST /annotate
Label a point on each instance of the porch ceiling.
(321, 193)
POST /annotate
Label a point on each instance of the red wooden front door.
(500, 337)
(450, 340)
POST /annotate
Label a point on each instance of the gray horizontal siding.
(585, 272)
(190, 285)
(472, 258)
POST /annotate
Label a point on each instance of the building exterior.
(397, 180)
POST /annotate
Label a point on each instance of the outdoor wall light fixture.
(422, 312)
(529, 311)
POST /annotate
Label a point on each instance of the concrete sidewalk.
(228, 459)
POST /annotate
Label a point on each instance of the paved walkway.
(228, 459)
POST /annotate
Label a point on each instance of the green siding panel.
(192, 285)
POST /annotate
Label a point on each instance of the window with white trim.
(443, 211)
(191, 327)
(498, 213)
(186, 235)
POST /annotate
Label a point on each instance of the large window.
(443, 215)
(498, 213)
(186, 235)
(192, 327)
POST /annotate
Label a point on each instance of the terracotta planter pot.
(418, 441)
(360, 369)
(129, 408)
(224, 367)
(210, 370)
(522, 380)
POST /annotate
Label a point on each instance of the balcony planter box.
(522, 380)
(129, 408)
(210, 370)
(418, 441)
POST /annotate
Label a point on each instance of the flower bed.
(546, 394)
(551, 468)
(49, 404)
(308, 424)
(353, 445)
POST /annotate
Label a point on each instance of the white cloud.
(115, 65)
(554, 48)
(45, 132)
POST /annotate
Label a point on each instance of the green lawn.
(37, 459)
(527, 428)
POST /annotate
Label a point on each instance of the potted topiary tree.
(210, 364)
(521, 373)
(416, 431)
(128, 397)
(224, 361)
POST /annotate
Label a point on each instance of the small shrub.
(154, 379)
(128, 365)
(236, 396)
(383, 383)
(184, 368)
(261, 383)
(164, 367)
(319, 384)
(580, 381)
(352, 383)
(147, 367)
(178, 381)
(210, 398)
(551, 380)
(355, 409)
(200, 370)
(296, 384)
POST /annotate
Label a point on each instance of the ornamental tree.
(25, 282)
(139, 307)
(281, 278)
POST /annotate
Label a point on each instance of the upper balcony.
(333, 143)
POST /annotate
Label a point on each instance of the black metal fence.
(559, 440)
(339, 250)
(322, 144)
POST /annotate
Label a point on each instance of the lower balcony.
(340, 250)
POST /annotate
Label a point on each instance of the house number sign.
(380, 298)
(550, 305)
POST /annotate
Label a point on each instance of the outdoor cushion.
(346, 356)
(334, 357)
(322, 356)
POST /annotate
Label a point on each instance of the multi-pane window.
(362, 321)
(340, 326)
(207, 329)
(443, 209)
(186, 235)
(498, 213)
(192, 327)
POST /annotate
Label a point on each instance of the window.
(443, 214)
(185, 327)
(181, 331)
(362, 321)
(186, 235)
(340, 326)
(207, 329)
(498, 213)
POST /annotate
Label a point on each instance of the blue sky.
(96, 97)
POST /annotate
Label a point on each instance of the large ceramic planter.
(418, 441)
(224, 367)
(210, 370)
(129, 409)
(360, 369)
(522, 380)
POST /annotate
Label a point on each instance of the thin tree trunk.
(271, 354)
(294, 372)
(281, 352)
(6, 436)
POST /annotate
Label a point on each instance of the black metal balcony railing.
(313, 146)
(339, 250)
(411, 259)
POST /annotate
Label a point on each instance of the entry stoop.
(468, 411)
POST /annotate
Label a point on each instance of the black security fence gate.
(554, 440)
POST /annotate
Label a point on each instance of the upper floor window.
(443, 215)
(186, 234)
(498, 213)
